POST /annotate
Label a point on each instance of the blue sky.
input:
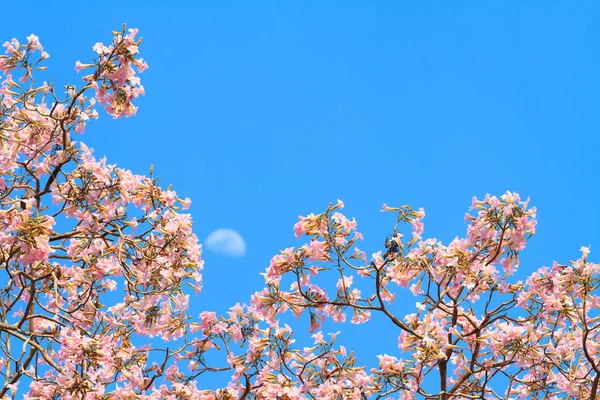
(262, 112)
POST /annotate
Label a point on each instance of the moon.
(226, 242)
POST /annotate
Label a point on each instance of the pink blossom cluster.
(466, 327)
(114, 78)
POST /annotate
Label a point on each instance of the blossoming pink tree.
(75, 228)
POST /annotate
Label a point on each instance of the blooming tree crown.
(75, 228)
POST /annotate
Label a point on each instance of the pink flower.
(79, 66)
(207, 319)
(385, 208)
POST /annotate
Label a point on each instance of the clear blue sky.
(263, 112)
